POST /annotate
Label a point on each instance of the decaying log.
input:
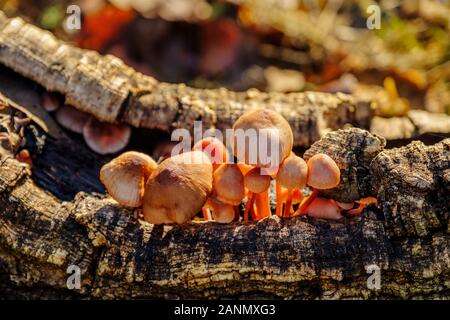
(105, 87)
(122, 257)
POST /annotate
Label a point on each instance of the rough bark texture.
(122, 257)
(105, 87)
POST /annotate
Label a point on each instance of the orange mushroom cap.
(178, 188)
(214, 149)
(222, 212)
(293, 172)
(229, 184)
(106, 138)
(324, 208)
(276, 129)
(323, 172)
(256, 182)
(125, 176)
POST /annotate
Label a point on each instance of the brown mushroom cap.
(229, 184)
(125, 176)
(71, 118)
(264, 119)
(178, 188)
(256, 182)
(323, 172)
(106, 138)
(293, 172)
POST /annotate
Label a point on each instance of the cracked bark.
(122, 257)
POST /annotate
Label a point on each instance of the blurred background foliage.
(285, 45)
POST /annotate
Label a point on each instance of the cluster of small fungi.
(101, 137)
(204, 179)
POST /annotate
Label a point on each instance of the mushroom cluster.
(208, 180)
(101, 137)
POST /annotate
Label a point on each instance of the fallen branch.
(121, 257)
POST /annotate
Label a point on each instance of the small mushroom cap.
(345, 205)
(50, 101)
(256, 182)
(229, 184)
(106, 138)
(222, 212)
(293, 172)
(323, 172)
(125, 176)
(214, 149)
(324, 208)
(71, 118)
(269, 125)
(178, 188)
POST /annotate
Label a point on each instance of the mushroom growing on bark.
(106, 138)
(324, 208)
(323, 173)
(292, 175)
(228, 185)
(256, 183)
(216, 151)
(125, 176)
(273, 143)
(178, 188)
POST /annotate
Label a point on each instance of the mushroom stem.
(262, 205)
(305, 203)
(362, 204)
(249, 204)
(356, 211)
(280, 198)
(206, 214)
(287, 207)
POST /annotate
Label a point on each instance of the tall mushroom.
(292, 175)
(218, 154)
(323, 173)
(178, 188)
(125, 176)
(256, 183)
(273, 141)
